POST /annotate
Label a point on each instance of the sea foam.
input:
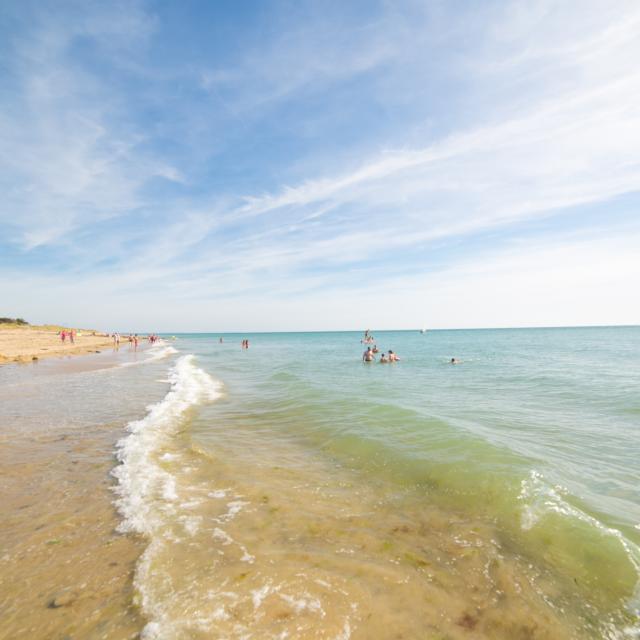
(155, 353)
(143, 483)
(540, 499)
(147, 493)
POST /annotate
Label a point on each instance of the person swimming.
(384, 359)
(455, 361)
(393, 357)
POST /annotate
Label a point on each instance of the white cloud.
(553, 123)
(66, 146)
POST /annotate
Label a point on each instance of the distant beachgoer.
(455, 361)
(383, 358)
(72, 335)
(393, 357)
(63, 336)
(221, 341)
(368, 355)
(375, 348)
(135, 341)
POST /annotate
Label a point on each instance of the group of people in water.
(370, 352)
(133, 340)
(370, 356)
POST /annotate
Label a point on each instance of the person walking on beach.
(72, 336)
(368, 355)
(63, 336)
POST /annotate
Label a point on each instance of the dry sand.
(24, 344)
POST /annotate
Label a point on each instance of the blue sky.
(289, 165)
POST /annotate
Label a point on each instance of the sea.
(290, 490)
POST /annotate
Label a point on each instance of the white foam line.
(142, 481)
(223, 536)
(147, 494)
(540, 498)
(157, 352)
(233, 510)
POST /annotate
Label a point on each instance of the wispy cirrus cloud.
(70, 154)
(316, 150)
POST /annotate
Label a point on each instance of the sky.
(267, 166)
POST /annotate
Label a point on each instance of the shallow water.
(313, 495)
(291, 491)
(65, 571)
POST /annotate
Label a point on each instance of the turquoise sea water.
(530, 444)
(562, 403)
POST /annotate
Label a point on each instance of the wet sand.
(65, 571)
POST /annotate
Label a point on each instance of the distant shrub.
(13, 321)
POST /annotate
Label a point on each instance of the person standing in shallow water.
(368, 355)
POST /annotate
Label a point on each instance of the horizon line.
(418, 330)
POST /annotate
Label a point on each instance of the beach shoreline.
(129, 507)
(67, 570)
(22, 344)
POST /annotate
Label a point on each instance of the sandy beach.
(65, 570)
(28, 343)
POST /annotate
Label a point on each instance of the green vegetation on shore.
(18, 321)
